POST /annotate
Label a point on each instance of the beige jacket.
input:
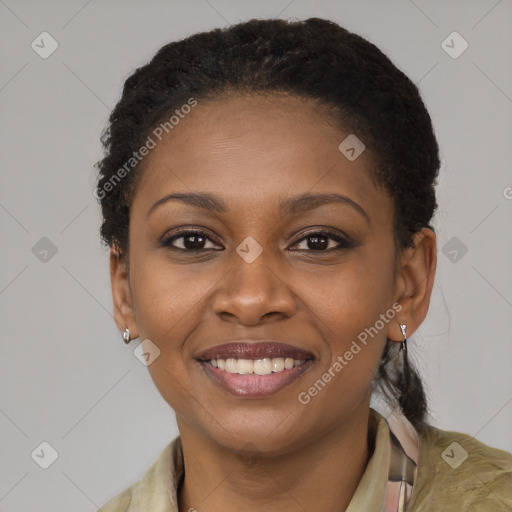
(481, 483)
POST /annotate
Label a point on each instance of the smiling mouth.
(256, 369)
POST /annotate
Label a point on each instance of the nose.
(252, 293)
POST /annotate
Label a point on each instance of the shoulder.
(458, 472)
(119, 503)
(152, 488)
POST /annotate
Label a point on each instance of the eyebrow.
(292, 205)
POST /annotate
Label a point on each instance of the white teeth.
(277, 364)
(244, 366)
(231, 365)
(264, 366)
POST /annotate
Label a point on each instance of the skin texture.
(270, 453)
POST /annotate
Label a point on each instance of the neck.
(322, 476)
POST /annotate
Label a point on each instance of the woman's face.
(256, 271)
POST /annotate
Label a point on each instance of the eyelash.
(344, 242)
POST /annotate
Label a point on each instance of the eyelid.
(165, 240)
(342, 239)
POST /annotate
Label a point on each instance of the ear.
(414, 283)
(124, 315)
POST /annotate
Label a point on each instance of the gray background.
(66, 376)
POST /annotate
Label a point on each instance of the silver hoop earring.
(403, 345)
(126, 335)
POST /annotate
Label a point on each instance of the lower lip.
(254, 386)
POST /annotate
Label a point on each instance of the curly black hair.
(314, 59)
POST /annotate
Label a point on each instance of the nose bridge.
(252, 288)
(251, 265)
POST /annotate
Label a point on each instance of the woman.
(267, 192)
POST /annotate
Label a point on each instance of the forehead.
(255, 150)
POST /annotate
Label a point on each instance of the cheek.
(350, 298)
(166, 297)
(168, 302)
(352, 309)
(352, 320)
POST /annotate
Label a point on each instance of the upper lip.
(254, 349)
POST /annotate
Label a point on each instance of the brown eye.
(322, 241)
(189, 240)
